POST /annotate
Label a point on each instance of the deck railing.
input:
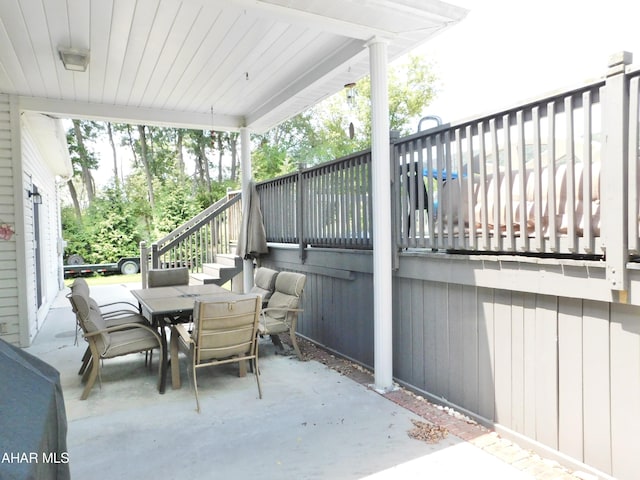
(328, 205)
(196, 242)
(556, 176)
(522, 180)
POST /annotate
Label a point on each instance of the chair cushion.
(94, 323)
(265, 282)
(290, 283)
(289, 287)
(130, 341)
(281, 300)
(121, 320)
(265, 278)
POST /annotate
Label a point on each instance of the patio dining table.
(166, 306)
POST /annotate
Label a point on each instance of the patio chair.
(109, 341)
(167, 277)
(224, 331)
(281, 314)
(170, 277)
(264, 284)
(113, 317)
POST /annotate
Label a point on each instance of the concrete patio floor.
(312, 422)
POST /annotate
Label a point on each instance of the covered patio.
(313, 422)
(225, 65)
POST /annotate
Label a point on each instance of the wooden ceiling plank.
(258, 64)
(353, 49)
(142, 21)
(184, 25)
(100, 30)
(230, 69)
(22, 44)
(203, 54)
(118, 41)
(185, 61)
(229, 35)
(157, 38)
(36, 22)
(9, 62)
(79, 31)
(285, 69)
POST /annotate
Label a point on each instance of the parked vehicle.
(76, 267)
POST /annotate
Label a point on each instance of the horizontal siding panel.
(7, 283)
(9, 309)
(8, 267)
(9, 293)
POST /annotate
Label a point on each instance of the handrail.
(195, 222)
(198, 240)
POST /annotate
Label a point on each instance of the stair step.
(202, 279)
(214, 269)
(225, 268)
(229, 259)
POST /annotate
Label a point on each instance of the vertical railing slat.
(522, 185)
(587, 169)
(634, 170)
(571, 176)
(497, 183)
(471, 197)
(510, 239)
(537, 178)
(484, 201)
(552, 200)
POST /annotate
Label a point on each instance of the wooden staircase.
(206, 243)
(225, 267)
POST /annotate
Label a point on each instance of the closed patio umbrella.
(252, 241)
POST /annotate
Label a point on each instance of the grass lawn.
(108, 279)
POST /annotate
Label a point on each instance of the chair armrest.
(184, 334)
(124, 326)
(122, 302)
(278, 309)
(119, 313)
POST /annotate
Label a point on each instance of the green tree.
(112, 232)
(81, 139)
(322, 133)
(176, 204)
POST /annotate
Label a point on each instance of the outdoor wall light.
(74, 59)
(35, 197)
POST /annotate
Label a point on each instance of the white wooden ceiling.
(217, 64)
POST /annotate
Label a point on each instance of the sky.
(508, 51)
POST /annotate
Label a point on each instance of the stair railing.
(197, 241)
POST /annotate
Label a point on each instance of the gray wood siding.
(562, 372)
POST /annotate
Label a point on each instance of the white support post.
(615, 123)
(381, 193)
(245, 172)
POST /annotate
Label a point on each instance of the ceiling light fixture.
(74, 59)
